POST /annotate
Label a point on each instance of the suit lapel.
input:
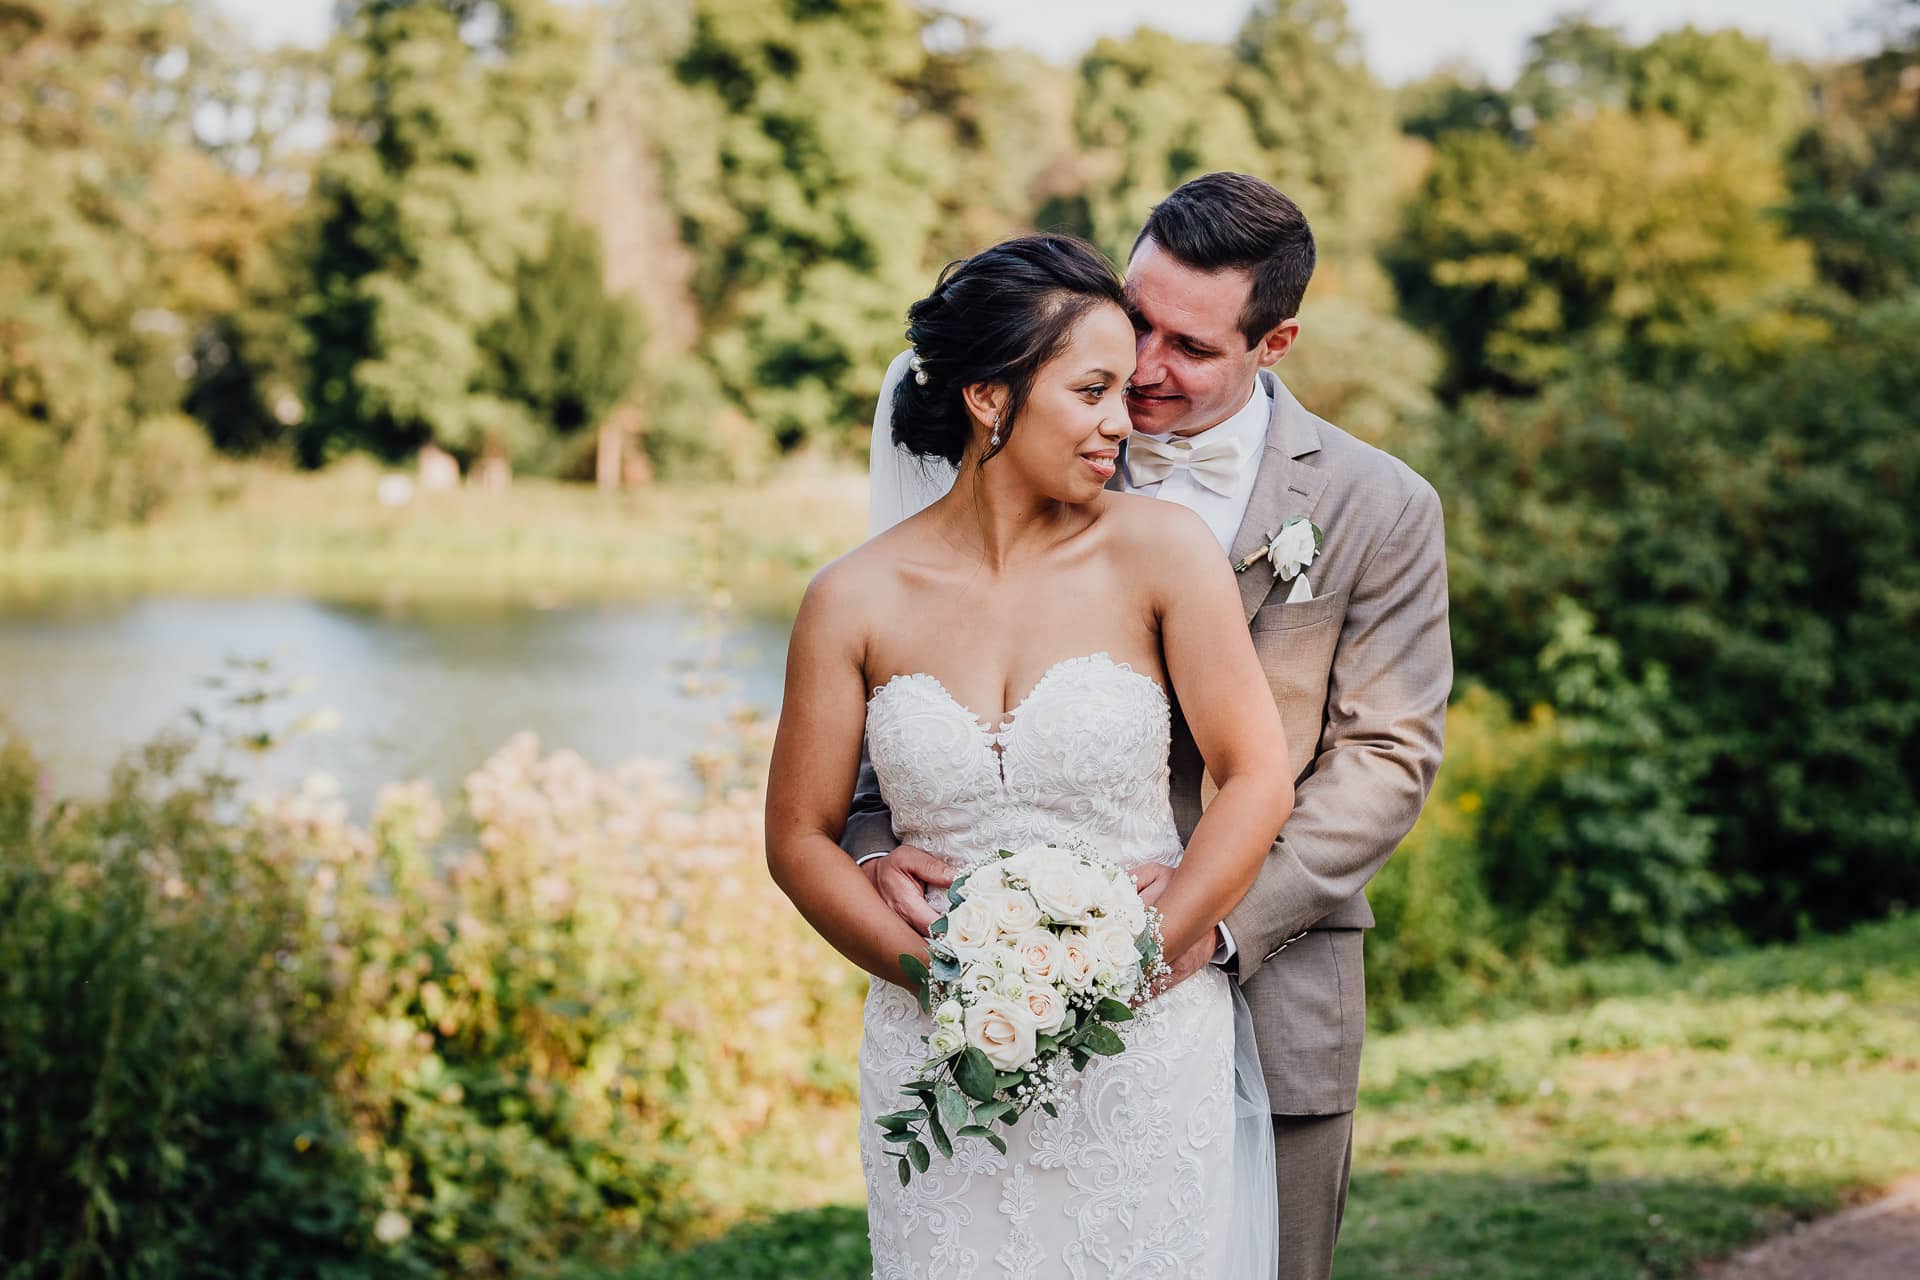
(1284, 486)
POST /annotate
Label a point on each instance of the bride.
(1010, 654)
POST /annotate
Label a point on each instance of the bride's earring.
(994, 442)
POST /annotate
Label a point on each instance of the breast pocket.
(1295, 643)
(1280, 616)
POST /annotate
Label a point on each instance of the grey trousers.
(1313, 1158)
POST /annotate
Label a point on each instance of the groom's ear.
(1279, 341)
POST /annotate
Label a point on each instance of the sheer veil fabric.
(901, 486)
(898, 486)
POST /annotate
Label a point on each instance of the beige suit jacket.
(1361, 674)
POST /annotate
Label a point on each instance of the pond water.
(416, 691)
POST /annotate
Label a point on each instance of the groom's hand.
(902, 878)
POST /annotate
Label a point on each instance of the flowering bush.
(577, 1023)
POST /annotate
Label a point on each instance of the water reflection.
(421, 691)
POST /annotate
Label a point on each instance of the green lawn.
(262, 528)
(1634, 1120)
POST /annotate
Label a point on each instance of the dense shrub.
(275, 1043)
(1749, 532)
(163, 1108)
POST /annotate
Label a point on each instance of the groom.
(1355, 647)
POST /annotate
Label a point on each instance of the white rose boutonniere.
(1289, 549)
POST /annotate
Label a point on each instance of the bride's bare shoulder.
(1139, 526)
(858, 583)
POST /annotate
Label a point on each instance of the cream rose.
(1004, 1031)
(1122, 903)
(944, 1043)
(1046, 1008)
(1039, 952)
(970, 926)
(1063, 892)
(1023, 861)
(1077, 961)
(1014, 912)
(985, 878)
(1113, 945)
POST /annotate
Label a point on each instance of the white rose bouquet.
(1042, 953)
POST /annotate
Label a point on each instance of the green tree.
(1324, 126)
(452, 156)
(1577, 66)
(1718, 84)
(1618, 233)
(91, 343)
(1856, 171)
(1452, 99)
(1008, 119)
(1152, 111)
(807, 190)
(1748, 530)
(566, 350)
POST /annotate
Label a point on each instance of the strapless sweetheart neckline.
(1007, 721)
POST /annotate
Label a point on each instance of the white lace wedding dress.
(1157, 1165)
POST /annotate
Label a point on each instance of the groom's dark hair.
(1221, 221)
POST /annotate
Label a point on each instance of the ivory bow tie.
(1214, 461)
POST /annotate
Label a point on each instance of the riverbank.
(1635, 1122)
(265, 529)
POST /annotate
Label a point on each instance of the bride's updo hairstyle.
(996, 317)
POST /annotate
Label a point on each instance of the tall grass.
(260, 528)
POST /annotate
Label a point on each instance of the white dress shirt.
(1222, 512)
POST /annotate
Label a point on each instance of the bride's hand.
(902, 878)
(1151, 878)
(1197, 957)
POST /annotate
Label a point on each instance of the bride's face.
(1066, 443)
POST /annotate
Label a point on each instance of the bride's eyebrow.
(1108, 374)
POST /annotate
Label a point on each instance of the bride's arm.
(1229, 707)
(816, 753)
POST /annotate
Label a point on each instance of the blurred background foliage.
(1646, 316)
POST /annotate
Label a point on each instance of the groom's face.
(1194, 369)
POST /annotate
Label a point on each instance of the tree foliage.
(1856, 172)
(449, 167)
(1750, 532)
(805, 187)
(1620, 234)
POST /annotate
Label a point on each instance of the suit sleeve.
(869, 826)
(1380, 749)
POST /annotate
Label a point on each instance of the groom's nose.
(1149, 366)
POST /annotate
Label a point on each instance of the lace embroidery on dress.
(1131, 1179)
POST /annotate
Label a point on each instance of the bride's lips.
(1103, 462)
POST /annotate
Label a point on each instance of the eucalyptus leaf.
(975, 1075)
(953, 1105)
(938, 1133)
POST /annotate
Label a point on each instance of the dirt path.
(1876, 1241)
